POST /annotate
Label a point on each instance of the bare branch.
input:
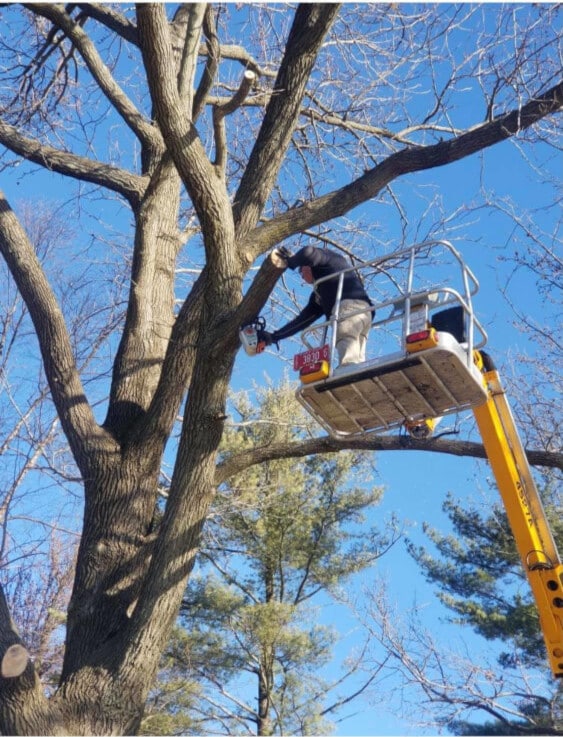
(128, 31)
(326, 444)
(188, 63)
(224, 109)
(206, 190)
(310, 25)
(211, 62)
(111, 19)
(446, 682)
(146, 132)
(66, 387)
(403, 162)
(129, 185)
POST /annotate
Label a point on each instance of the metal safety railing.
(406, 291)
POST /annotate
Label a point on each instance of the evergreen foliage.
(280, 534)
(480, 579)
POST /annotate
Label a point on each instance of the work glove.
(284, 253)
(264, 339)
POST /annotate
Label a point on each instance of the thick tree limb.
(176, 370)
(326, 444)
(206, 190)
(211, 62)
(254, 300)
(310, 25)
(224, 109)
(130, 186)
(407, 161)
(111, 19)
(193, 26)
(23, 707)
(14, 657)
(68, 394)
(150, 316)
(178, 363)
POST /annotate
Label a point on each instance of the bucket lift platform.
(378, 396)
(439, 369)
(421, 378)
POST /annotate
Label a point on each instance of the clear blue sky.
(416, 483)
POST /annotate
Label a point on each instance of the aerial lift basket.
(425, 375)
(438, 369)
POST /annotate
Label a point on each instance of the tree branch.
(14, 657)
(128, 31)
(23, 707)
(206, 190)
(310, 25)
(75, 413)
(211, 62)
(221, 111)
(111, 19)
(176, 369)
(406, 161)
(253, 301)
(188, 64)
(142, 128)
(130, 186)
(327, 444)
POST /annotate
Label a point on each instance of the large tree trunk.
(132, 565)
(150, 313)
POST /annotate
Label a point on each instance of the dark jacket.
(321, 302)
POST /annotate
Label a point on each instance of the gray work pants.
(352, 332)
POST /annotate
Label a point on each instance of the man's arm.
(308, 256)
(311, 312)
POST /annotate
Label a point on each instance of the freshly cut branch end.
(14, 662)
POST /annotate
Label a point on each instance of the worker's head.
(306, 274)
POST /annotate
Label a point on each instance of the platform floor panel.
(432, 383)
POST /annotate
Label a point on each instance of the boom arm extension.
(437, 370)
(535, 543)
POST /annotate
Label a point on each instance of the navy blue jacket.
(321, 302)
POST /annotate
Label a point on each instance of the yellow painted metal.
(421, 428)
(321, 372)
(526, 515)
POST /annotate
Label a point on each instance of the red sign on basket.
(315, 355)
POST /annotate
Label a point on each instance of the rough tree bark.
(131, 572)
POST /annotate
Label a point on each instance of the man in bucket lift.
(352, 332)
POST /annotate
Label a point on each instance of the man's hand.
(264, 339)
(280, 257)
(285, 252)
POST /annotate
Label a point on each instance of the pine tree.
(480, 579)
(280, 534)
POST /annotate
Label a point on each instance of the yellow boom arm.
(526, 515)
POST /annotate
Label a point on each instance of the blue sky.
(416, 483)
